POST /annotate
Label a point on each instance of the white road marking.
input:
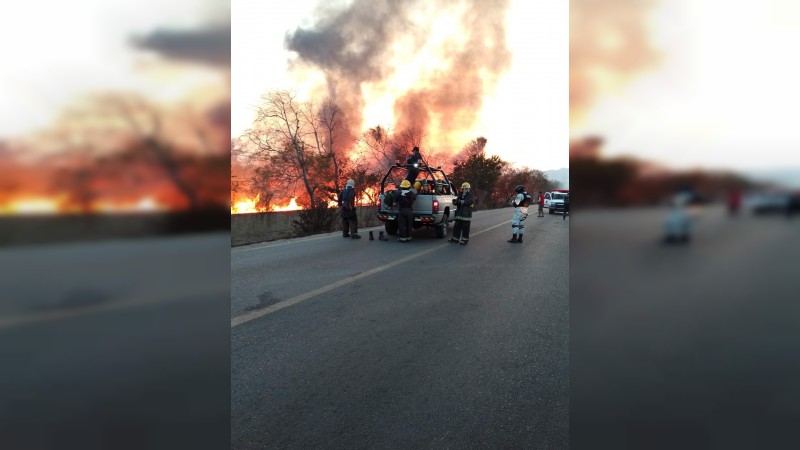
(65, 313)
(302, 297)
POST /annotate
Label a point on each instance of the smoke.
(369, 42)
(208, 45)
(609, 46)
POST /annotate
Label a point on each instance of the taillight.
(435, 206)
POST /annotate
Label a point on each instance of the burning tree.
(296, 145)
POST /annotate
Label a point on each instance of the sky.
(723, 95)
(80, 46)
(525, 118)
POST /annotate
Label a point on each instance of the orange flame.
(33, 205)
(248, 205)
(292, 206)
(145, 204)
(366, 197)
(59, 205)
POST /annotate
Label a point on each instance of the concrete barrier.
(252, 228)
(30, 230)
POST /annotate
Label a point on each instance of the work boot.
(519, 241)
(355, 236)
(382, 237)
(346, 235)
(452, 240)
(513, 239)
(371, 236)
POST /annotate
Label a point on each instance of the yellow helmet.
(405, 184)
(417, 185)
(465, 185)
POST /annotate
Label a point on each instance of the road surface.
(118, 344)
(678, 346)
(342, 343)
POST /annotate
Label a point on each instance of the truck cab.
(554, 200)
(433, 206)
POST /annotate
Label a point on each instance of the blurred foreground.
(116, 344)
(690, 346)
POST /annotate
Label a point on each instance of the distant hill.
(559, 175)
(788, 177)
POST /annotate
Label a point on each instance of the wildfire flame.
(145, 204)
(32, 206)
(248, 205)
(292, 206)
(59, 205)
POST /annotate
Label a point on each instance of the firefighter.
(414, 162)
(520, 204)
(464, 204)
(405, 197)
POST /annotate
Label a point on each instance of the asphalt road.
(340, 343)
(677, 346)
(117, 344)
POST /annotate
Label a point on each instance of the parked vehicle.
(554, 200)
(433, 206)
(768, 202)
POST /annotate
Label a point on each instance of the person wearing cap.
(405, 197)
(413, 169)
(464, 204)
(347, 206)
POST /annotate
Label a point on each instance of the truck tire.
(441, 229)
(391, 227)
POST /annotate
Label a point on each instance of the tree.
(380, 149)
(260, 188)
(328, 120)
(480, 171)
(147, 122)
(533, 180)
(279, 139)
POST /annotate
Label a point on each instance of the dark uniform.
(464, 204)
(347, 205)
(415, 158)
(405, 197)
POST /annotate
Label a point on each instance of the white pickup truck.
(554, 200)
(433, 206)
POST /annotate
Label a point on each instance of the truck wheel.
(391, 227)
(441, 230)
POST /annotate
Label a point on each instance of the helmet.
(417, 185)
(465, 185)
(519, 189)
(405, 184)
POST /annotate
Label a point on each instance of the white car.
(767, 202)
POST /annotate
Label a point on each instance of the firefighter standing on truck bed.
(464, 202)
(414, 160)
